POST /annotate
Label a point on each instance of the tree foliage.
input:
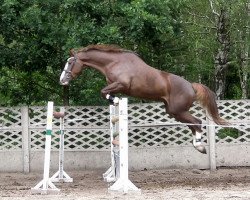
(176, 36)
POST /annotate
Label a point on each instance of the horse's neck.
(97, 60)
(95, 65)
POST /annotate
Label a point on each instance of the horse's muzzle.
(65, 78)
(64, 82)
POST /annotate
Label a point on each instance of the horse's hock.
(151, 143)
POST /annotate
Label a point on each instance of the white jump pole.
(110, 175)
(46, 186)
(123, 184)
(61, 175)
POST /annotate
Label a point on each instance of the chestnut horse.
(128, 74)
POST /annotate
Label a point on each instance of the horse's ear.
(72, 52)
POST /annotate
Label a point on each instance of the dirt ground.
(224, 183)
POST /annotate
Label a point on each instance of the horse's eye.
(68, 76)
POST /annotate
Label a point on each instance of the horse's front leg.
(112, 89)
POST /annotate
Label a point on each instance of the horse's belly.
(151, 85)
(147, 92)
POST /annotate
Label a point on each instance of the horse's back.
(177, 82)
(147, 82)
(142, 80)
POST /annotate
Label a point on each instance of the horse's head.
(72, 69)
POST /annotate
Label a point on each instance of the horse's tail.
(206, 98)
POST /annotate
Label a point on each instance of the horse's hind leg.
(195, 126)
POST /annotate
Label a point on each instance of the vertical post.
(45, 186)
(48, 145)
(123, 184)
(211, 140)
(123, 136)
(115, 146)
(61, 150)
(25, 139)
(61, 175)
(110, 175)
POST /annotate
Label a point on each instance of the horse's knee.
(195, 125)
(175, 114)
(172, 112)
(198, 126)
(103, 93)
(195, 128)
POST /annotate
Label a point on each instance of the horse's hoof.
(201, 149)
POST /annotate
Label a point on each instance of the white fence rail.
(155, 140)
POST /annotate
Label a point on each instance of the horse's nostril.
(63, 83)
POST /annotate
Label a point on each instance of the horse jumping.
(128, 74)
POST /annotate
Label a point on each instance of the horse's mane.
(104, 47)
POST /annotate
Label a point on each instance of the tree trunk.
(221, 58)
(243, 71)
(66, 95)
(244, 59)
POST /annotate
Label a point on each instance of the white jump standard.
(61, 175)
(46, 186)
(118, 171)
(111, 174)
